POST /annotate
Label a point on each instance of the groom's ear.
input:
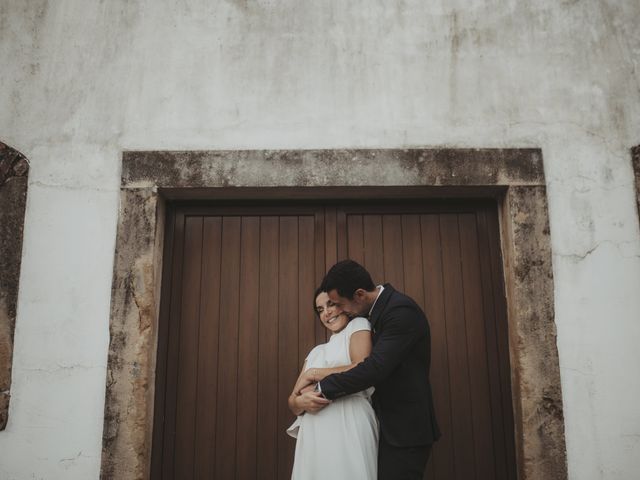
(360, 293)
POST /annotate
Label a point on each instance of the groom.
(398, 368)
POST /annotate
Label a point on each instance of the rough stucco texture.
(14, 170)
(84, 80)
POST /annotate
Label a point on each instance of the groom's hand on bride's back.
(312, 402)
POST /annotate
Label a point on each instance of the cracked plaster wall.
(81, 81)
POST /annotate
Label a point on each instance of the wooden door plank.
(268, 349)
(502, 330)
(341, 234)
(498, 427)
(307, 285)
(321, 268)
(373, 248)
(188, 357)
(208, 349)
(225, 453)
(287, 338)
(248, 349)
(169, 430)
(331, 237)
(163, 340)
(412, 258)
(392, 248)
(331, 254)
(413, 277)
(460, 395)
(355, 241)
(476, 347)
(442, 454)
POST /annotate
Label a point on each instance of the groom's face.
(353, 307)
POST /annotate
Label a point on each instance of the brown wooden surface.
(239, 323)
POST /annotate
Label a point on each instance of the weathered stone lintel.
(14, 170)
(437, 167)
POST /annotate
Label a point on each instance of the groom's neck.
(371, 297)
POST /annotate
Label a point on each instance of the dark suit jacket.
(398, 368)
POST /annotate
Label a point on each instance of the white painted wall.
(82, 80)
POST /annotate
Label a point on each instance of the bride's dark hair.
(319, 290)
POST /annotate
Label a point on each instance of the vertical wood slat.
(341, 234)
(392, 251)
(355, 240)
(432, 270)
(460, 395)
(307, 284)
(331, 237)
(205, 441)
(499, 450)
(287, 337)
(225, 452)
(188, 359)
(412, 258)
(332, 255)
(476, 347)
(169, 412)
(502, 329)
(268, 349)
(373, 247)
(247, 396)
(321, 268)
(413, 278)
(161, 355)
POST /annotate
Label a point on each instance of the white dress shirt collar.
(381, 288)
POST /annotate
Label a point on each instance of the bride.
(339, 441)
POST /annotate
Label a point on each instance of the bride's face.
(333, 318)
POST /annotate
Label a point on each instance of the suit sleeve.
(403, 328)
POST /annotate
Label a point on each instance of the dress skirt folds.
(340, 442)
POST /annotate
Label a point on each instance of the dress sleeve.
(309, 354)
(357, 324)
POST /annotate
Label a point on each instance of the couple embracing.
(363, 399)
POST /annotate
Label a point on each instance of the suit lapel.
(380, 305)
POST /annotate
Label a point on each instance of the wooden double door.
(237, 322)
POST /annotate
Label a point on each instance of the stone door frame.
(152, 180)
(14, 180)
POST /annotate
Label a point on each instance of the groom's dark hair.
(346, 277)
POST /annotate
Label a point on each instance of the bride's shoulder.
(315, 350)
(359, 323)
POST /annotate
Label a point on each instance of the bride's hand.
(308, 388)
(312, 402)
(307, 378)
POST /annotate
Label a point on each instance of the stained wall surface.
(81, 81)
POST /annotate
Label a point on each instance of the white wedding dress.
(340, 442)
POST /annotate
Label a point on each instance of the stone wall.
(84, 81)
